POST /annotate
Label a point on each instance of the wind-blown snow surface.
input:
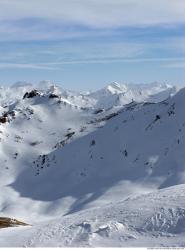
(158, 219)
(65, 157)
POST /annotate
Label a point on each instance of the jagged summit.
(116, 88)
(112, 95)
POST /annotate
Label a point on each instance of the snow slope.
(65, 154)
(157, 220)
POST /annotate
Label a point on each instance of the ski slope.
(157, 220)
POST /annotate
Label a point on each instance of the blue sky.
(88, 44)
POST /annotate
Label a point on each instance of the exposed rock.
(97, 111)
(69, 135)
(8, 222)
(6, 115)
(53, 96)
(92, 143)
(31, 94)
(3, 119)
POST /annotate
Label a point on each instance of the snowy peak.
(116, 88)
(116, 94)
(113, 95)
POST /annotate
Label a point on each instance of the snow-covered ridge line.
(112, 95)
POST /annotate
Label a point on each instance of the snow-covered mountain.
(71, 158)
(114, 94)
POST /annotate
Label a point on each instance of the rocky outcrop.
(7, 116)
(8, 222)
(53, 96)
(31, 94)
(3, 119)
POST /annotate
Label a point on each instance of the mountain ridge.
(59, 159)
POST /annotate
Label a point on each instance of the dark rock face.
(92, 143)
(98, 111)
(53, 96)
(3, 119)
(31, 94)
(69, 135)
(7, 116)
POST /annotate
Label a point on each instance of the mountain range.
(102, 168)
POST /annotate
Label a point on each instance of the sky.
(86, 44)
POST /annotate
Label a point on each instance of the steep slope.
(58, 158)
(30, 128)
(74, 159)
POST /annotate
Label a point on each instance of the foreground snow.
(154, 219)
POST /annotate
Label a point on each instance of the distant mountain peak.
(116, 88)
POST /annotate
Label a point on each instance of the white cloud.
(85, 50)
(169, 60)
(97, 13)
(175, 65)
(24, 20)
(171, 63)
(27, 66)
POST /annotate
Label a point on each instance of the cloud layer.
(95, 13)
(138, 37)
(66, 19)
